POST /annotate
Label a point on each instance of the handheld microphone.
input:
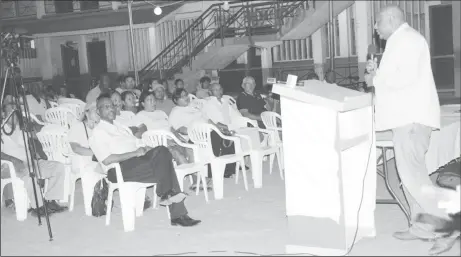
(372, 51)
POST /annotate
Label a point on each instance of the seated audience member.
(313, 76)
(14, 149)
(112, 142)
(179, 83)
(162, 103)
(169, 88)
(203, 89)
(37, 101)
(330, 77)
(220, 109)
(250, 104)
(158, 120)
(128, 113)
(102, 87)
(184, 115)
(79, 135)
(153, 82)
(63, 93)
(130, 85)
(50, 94)
(117, 101)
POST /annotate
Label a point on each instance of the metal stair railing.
(216, 24)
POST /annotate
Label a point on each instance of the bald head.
(389, 19)
(216, 90)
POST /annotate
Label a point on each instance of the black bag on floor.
(99, 200)
(449, 176)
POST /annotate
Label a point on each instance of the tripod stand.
(24, 118)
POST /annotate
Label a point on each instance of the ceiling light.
(226, 6)
(157, 10)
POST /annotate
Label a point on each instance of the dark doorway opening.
(97, 59)
(70, 62)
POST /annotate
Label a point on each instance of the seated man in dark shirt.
(250, 104)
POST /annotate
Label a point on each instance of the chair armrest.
(10, 167)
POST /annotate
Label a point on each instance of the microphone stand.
(34, 170)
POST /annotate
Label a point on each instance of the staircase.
(221, 35)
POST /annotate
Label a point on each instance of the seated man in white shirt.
(13, 145)
(102, 87)
(112, 142)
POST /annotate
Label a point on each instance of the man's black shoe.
(39, 212)
(184, 221)
(55, 207)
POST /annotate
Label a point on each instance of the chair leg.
(110, 196)
(237, 171)
(280, 162)
(72, 192)
(140, 199)
(128, 208)
(256, 169)
(155, 196)
(217, 170)
(21, 200)
(271, 162)
(205, 191)
(1, 192)
(244, 173)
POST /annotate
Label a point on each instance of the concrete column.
(44, 57)
(343, 40)
(319, 49)
(266, 63)
(456, 14)
(121, 47)
(153, 46)
(40, 7)
(82, 54)
(363, 34)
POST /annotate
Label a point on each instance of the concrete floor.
(243, 223)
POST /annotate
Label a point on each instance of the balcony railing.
(17, 9)
(214, 25)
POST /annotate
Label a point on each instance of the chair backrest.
(64, 100)
(200, 134)
(55, 143)
(197, 103)
(10, 168)
(154, 138)
(77, 109)
(60, 116)
(270, 119)
(53, 104)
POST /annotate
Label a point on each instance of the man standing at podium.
(407, 103)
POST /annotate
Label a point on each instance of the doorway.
(443, 59)
(97, 59)
(70, 62)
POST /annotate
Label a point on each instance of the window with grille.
(293, 50)
(28, 50)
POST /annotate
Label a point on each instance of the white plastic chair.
(21, 201)
(34, 118)
(56, 147)
(53, 104)
(154, 138)
(132, 197)
(64, 100)
(61, 116)
(270, 121)
(77, 109)
(200, 134)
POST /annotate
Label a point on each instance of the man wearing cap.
(162, 103)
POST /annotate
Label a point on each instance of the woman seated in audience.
(116, 99)
(158, 120)
(162, 102)
(78, 137)
(128, 113)
(203, 88)
(179, 83)
(184, 115)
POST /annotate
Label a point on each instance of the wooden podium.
(330, 167)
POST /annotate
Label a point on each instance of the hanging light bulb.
(157, 10)
(226, 6)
